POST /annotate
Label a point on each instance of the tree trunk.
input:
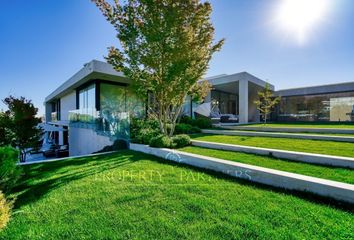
(174, 120)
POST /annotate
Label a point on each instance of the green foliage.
(6, 136)
(142, 130)
(165, 49)
(181, 140)
(183, 128)
(5, 211)
(199, 122)
(9, 171)
(203, 123)
(22, 123)
(266, 102)
(187, 120)
(161, 141)
(119, 144)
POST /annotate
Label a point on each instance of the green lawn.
(326, 172)
(130, 195)
(301, 133)
(300, 145)
(304, 125)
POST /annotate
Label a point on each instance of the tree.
(165, 48)
(5, 133)
(22, 122)
(266, 102)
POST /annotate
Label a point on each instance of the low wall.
(336, 190)
(292, 130)
(280, 135)
(290, 155)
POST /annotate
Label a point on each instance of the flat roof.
(91, 71)
(319, 89)
(224, 78)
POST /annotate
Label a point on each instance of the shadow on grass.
(40, 179)
(303, 195)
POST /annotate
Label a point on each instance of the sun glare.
(299, 18)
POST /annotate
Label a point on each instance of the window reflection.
(323, 107)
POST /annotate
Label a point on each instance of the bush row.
(162, 141)
(148, 132)
(201, 122)
(9, 171)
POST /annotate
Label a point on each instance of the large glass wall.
(87, 97)
(118, 99)
(224, 103)
(117, 103)
(324, 107)
(106, 108)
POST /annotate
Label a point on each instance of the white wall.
(86, 141)
(67, 103)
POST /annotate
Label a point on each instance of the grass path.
(300, 145)
(331, 173)
(130, 195)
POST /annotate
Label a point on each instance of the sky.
(44, 42)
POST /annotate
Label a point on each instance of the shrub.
(118, 144)
(9, 171)
(186, 120)
(181, 140)
(161, 141)
(141, 131)
(183, 128)
(203, 123)
(5, 211)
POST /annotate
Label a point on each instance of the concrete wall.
(243, 101)
(253, 112)
(85, 141)
(67, 103)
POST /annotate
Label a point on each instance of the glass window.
(87, 97)
(322, 107)
(117, 99)
(224, 103)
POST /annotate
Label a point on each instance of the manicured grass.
(299, 145)
(326, 172)
(301, 133)
(304, 125)
(130, 195)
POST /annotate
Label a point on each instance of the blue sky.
(44, 42)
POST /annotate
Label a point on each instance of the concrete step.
(283, 154)
(281, 135)
(291, 130)
(327, 188)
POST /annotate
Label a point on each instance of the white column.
(61, 138)
(243, 101)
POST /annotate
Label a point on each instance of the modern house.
(91, 109)
(326, 103)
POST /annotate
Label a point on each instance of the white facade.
(64, 101)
